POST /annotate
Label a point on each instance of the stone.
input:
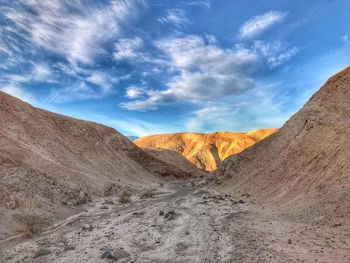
(11, 202)
(108, 254)
(42, 252)
(120, 253)
(170, 215)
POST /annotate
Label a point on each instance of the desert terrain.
(181, 221)
(206, 151)
(284, 199)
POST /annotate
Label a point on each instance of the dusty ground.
(205, 227)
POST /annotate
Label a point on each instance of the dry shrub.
(124, 197)
(32, 219)
(148, 194)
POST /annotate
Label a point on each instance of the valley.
(77, 191)
(182, 221)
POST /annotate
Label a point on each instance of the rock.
(338, 224)
(111, 190)
(187, 233)
(170, 215)
(109, 202)
(68, 247)
(108, 254)
(120, 253)
(82, 198)
(138, 213)
(89, 228)
(42, 252)
(104, 207)
(290, 241)
(245, 195)
(241, 201)
(161, 213)
(11, 202)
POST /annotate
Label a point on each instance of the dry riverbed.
(180, 222)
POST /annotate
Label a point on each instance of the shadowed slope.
(305, 165)
(56, 160)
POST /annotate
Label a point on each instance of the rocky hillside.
(206, 151)
(54, 161)
(304, 167)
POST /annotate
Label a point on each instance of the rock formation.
(206, 151)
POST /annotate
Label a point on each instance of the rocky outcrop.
(206, 151)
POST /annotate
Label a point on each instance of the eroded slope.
(55, 161)
(206, 151)
(304, 167)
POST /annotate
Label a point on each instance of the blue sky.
(146, 67)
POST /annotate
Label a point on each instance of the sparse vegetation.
(148, 194)
(32, 219)
(125, 197)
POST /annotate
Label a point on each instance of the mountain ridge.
(205, 150)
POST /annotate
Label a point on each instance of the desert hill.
(57, 161)
(304, 167)
(206, 151)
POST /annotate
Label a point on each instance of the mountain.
(304, 167)
(206, 151)
(55, 161)
(175, 158)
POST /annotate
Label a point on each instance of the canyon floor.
(180, 221)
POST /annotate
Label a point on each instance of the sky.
(145, 67)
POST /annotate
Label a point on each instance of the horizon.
(155, 67)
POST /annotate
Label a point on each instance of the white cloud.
(18, 92)
(76, 29)
(203, 72)
(136, 127)
(176, 17)
(345, 39)
(42, 72)
(260, 24)
(79, 81)
(200, 3)
(38, 73)
(128, 48)
(275, 53)
(102, 79)
(141, 105)
(257, 108)
(77, 91)
(134, 92)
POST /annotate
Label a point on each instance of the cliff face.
(55, 160)
(206, 151)
(305, 166)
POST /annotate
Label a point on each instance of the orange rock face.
(206, 151)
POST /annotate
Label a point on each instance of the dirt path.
(198, 225)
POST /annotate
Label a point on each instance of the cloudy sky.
(156, 66)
